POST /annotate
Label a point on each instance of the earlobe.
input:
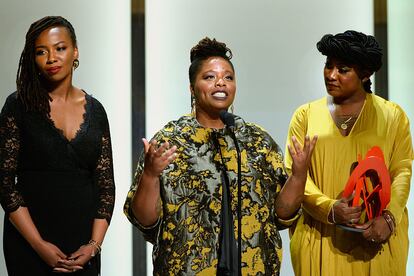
(76, 53)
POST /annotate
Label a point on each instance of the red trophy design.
(370, 184)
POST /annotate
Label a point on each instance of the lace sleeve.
(10, 198)
(104, 176)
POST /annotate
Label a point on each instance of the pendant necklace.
(344, 125)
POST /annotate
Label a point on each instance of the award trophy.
(370, 185)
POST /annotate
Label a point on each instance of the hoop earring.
(75, 64)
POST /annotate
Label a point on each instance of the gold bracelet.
(97, 246)
(333, 211)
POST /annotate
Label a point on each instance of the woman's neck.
(209, 120)
(62, 90)
(348, 106)
(356, 97)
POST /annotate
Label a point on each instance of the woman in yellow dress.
(349, 121)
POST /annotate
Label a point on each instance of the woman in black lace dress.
(56, 175)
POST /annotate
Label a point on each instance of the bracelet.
(389, 219)
(97, 246)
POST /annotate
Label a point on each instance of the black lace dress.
(64, 184)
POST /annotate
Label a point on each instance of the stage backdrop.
(103, 30)
(401, 81)
(277, 66)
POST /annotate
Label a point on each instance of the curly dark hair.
(205, 49)
(30, 89)
(353, 48)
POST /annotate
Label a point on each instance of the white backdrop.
(103, 30)
(401, 81)
(275, 57)
(277, 66)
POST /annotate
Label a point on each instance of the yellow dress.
(321, 248)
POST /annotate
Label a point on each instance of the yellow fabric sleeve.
(400, 166)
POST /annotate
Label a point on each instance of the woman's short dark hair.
(30, 89)
(205, 49)
(353, 48)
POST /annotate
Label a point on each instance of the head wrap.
(354, 48)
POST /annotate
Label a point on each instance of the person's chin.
(221, 107)
(334, 92)
(54, 80)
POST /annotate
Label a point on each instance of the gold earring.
(193, 106)
(75, 64)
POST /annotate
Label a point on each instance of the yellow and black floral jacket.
(186, 236)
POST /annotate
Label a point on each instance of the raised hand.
(146, 203)
(301, 156)
(290, 197)
(157, 158)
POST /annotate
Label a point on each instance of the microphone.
(228, 119)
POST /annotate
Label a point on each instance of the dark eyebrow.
(43, 46)
(339, 63)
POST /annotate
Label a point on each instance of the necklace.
(344, 125)
(344, 121)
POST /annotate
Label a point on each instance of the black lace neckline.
(82, 127)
